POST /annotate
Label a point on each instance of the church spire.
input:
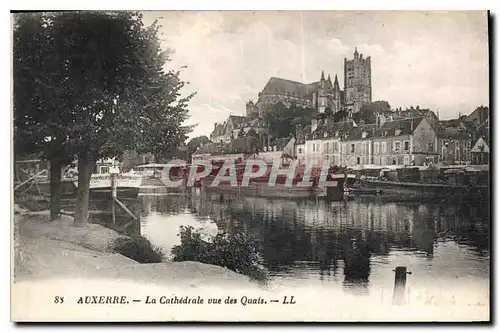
(356, 52)
(322, 75)
(329, 78)
(336, 82)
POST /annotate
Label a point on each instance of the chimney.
(297, 131)
(314, 125)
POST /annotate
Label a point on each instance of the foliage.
(139, 249)
(196, 142)
(367, 113)
(91, 85)
(282, 120)
(340, 116)
(235, 252)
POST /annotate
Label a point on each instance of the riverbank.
(54, 250)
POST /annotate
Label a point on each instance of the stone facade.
(357, 82)
(323, 94)
(400, 142)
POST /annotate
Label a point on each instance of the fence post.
(399, 285)
(113, 196)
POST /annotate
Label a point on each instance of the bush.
(139, 249)
(235, 252)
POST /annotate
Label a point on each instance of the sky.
(436, 60)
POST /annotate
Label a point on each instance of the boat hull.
(126, 185)
(422, 191)
(264, 190)
(261, 188)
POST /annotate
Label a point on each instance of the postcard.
(270, 166)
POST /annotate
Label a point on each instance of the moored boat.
(127, 184)
(451, 184)
(261, 187)
(354, 187)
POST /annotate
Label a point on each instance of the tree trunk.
(85, 167)
(55, 188)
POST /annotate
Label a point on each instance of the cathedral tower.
(322, 93)
(357, 82)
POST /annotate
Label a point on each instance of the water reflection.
(355, 243)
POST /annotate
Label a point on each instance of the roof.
(481, 142)
(277, 85)
(356, 133)
(280, 143)
(398, 127)
(453, 133)
(235, 120)
(332, 130)
(361, 132)
(219, 129)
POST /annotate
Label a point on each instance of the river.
(349, 246)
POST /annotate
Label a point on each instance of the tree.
(197, 142)
(339, 116)
(368, 112)
(40, 99)
(282, 120)
(115, 91)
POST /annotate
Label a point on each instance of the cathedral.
(321, 95)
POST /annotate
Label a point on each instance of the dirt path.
(50, 250)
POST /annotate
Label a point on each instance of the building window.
(407, 160)
(376, 147)
(352, 148)
(357, 161)
(397, 146)
(431, 147)
(327, 146)
(300, 150)
(384, 147)
(407, 145)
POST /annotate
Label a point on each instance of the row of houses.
(411, 137)
(409, 141)
(399, 139)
